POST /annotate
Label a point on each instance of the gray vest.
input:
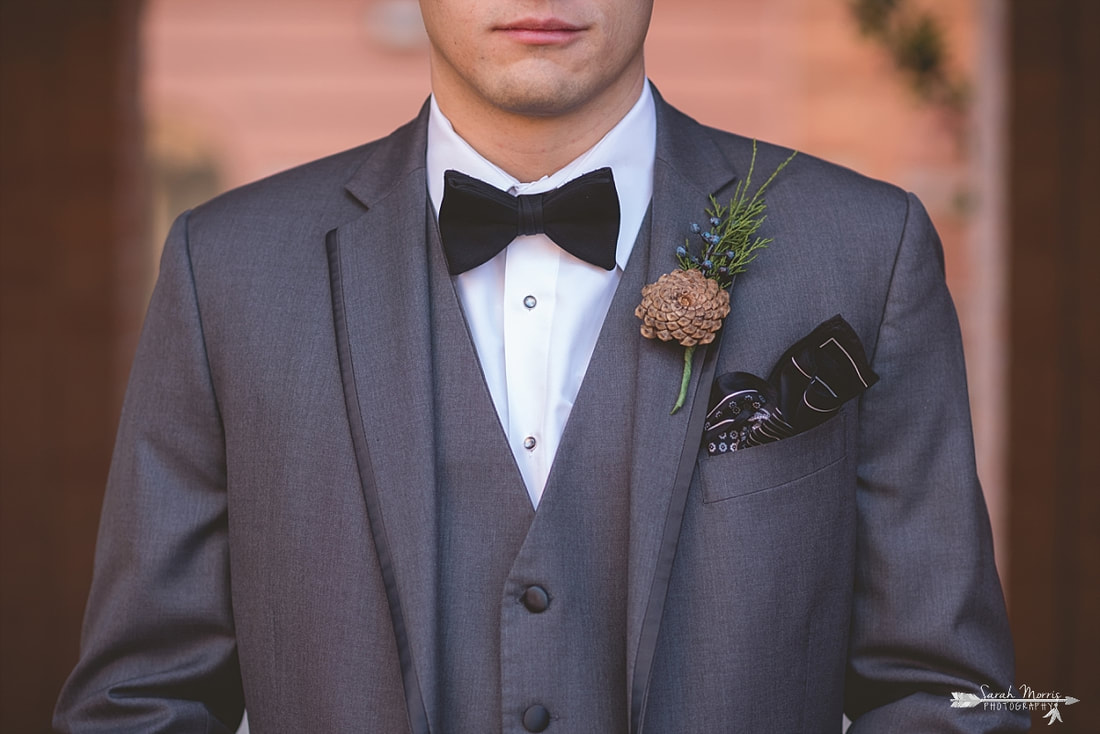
(532, 605)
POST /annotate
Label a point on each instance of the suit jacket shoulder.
(302, 203)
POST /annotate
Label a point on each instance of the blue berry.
(694, 228)
(681, 251)
(715, 221)
(707, 265)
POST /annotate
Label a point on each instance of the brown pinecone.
(683, 305)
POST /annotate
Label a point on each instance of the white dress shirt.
(535, 311)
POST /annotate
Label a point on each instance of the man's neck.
(530, 147)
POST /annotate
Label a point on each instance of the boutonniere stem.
(689, 304)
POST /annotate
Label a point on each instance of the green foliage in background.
(917, 45)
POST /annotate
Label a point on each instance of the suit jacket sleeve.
(158, 650)
(928, 613)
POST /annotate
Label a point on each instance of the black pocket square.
(808, 384)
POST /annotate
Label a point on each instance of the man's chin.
(537, 107)
(541, 96)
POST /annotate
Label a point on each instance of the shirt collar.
(628, 149)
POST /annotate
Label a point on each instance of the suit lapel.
(688, 169)
(379, 272)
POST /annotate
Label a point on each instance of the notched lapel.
(378, 268)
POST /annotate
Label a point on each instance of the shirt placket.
(530, 287)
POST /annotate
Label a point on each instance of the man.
(362, 484)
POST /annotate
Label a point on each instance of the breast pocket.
(771, 465)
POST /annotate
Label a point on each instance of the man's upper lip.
(539, 24)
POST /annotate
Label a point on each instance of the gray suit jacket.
(267, 532)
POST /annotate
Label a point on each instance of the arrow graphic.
(960, 700)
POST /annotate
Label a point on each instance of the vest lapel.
(483, 515)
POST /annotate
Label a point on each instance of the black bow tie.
(476, 220)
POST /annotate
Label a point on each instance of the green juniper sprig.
(730, 244)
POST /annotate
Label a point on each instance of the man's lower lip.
(541, 37)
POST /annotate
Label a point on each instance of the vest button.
(536, 600)
(536, 718)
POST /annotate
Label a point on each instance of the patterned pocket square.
(808, 384)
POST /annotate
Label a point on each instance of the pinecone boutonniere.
(689, 304)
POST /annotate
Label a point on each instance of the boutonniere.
(689, 304)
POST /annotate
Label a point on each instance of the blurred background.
(119, 114)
